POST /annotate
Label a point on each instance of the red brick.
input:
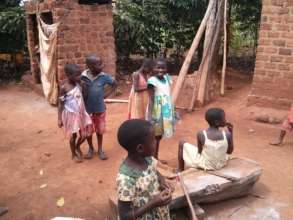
(285, 51)
(271, 50)
(285, 67)
(273, 34)
(289, 60)
(280, 43)
(276, 59)
(270, 66)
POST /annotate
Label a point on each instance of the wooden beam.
(225, 51)
(184, 70)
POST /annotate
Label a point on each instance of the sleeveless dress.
(162, 114)
(74, 116)
(213, 156)
(138, 101)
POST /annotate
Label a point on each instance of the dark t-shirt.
(94, 101)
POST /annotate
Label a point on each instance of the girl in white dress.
(213, 145)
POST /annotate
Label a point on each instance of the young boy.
(142, 191)
(287, 126)
(213, 145)
(93, 85)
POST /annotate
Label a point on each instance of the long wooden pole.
(187, 197)
(187, 61)
(225, 50)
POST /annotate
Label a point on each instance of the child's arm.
(135, 78)
(230, 138)
(151, 91)
(113, 84)
(61, 106)
(128, 212)
(200, 141)
(84, 89)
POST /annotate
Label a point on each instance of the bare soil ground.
(31, 142)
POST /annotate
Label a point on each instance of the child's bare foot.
(89, 155)
(77, 159)
(276, 143)
(102, 155)
(163, 161)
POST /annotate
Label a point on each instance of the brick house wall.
(273, 75)
(84, 29)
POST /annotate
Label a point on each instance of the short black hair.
(147, 63)
(69, 68)
(160, 60)
(90, 57)
(133, 132)
(214, 115)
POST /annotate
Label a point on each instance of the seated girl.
(142, 191)
(213, 144)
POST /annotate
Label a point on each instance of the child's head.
(160, 67)
(94, 63)
(72, 72)
(216, 117)
(147, 66)
(137, 136)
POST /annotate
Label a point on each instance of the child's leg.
(80, 140)
(101, 153)
(91, 151)
(72, 144)
(180, 156)
(280, 139)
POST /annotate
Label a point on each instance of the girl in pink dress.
(139, 96)
(72, 115)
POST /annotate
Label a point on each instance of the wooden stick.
(187, 197)
(225, 51)
(187, 61)
(116, 101)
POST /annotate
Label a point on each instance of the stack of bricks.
(83, 29)
(273, 76)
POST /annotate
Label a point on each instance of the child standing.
(287, 126)
(93, 85)
(139, 96)
(161, 109)
(142, 191)
(71, 111)
(213, 145)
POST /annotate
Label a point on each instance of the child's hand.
(164, 198)
(229, 127)
(60, 124)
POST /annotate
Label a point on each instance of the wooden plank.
(187, 61)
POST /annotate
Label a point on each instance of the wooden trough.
(233, 181)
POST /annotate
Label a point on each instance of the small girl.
(160, 109)
(139, 96)
(71, 111)
(142, 192)
(213, 144)
(287, 126)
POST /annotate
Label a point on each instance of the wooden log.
(115, 101)
(194, 46)
(225, 50)
(207, 63)
(193, 215)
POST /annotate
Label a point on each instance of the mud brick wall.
(83, 29)
(273, 75)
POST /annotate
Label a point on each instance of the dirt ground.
(31, 143)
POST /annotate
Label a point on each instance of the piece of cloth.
(162, 114)
(94, 86)
(74, 116)
(139, 187)
(99, 122)
(138, 101)
(48, 59)
(213, 156)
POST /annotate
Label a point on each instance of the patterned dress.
(139, 187)
(163, 109)
(74, 116)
